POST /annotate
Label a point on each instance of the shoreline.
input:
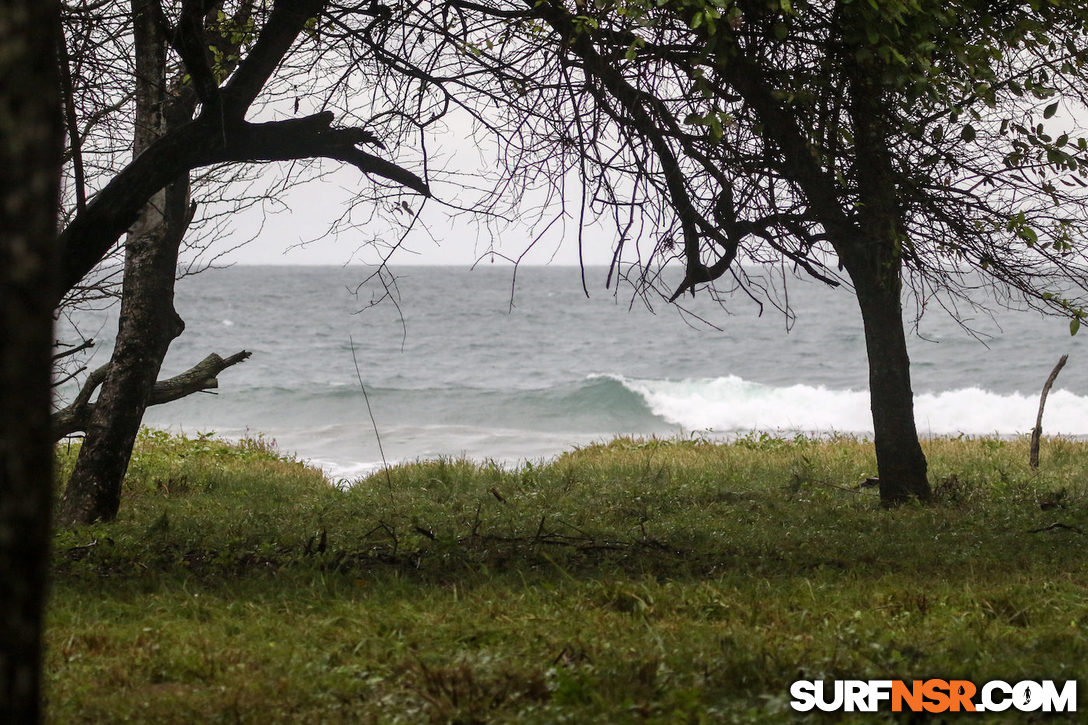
(345, 472)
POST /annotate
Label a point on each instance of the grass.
(637, 581)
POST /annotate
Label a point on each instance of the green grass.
(638, 581)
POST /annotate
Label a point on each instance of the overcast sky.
(293, 229)
(288, 237)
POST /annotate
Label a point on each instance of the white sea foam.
(733, 404)
(344, 473)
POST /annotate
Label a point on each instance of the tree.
(30, 162)
(894, 142)
(226, 60)
(148, 321)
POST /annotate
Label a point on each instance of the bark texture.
(30, 158)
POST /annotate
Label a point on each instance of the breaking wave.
(730, 403)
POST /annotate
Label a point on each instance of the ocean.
(459, 362)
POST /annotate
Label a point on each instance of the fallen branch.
(1037, 433)
(1057, 525)
(91, 545)
(201, 376)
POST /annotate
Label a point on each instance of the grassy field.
(656, 581)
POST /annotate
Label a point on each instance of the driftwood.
(201, 376)
(1037, 433)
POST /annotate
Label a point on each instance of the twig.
(580, 531)
(1058, 525)
(828, 484)
(392, 532)
(93, 544)
(197, 379)
(72, 350)
(69, 376)
(359, 375)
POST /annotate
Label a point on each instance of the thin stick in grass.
(374, 423)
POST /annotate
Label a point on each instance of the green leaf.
(1074, 326)
(968, 133)
(715, 129)
(1050, 110)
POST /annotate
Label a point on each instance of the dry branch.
(72, 350)
(201, 376)
(1037, 433)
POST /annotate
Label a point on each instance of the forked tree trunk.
(148, 322)
(30, 165)
(901, 464)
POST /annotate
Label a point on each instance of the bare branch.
(284, 24)
(91, 234)
(201, 376)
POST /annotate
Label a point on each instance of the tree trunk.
(148, 322)
(30, 164)
(147, 327)
(874, 259)
(901, 464)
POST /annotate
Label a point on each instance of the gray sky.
(293, 229)
(287, 238)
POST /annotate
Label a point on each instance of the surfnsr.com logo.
(933, 696)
